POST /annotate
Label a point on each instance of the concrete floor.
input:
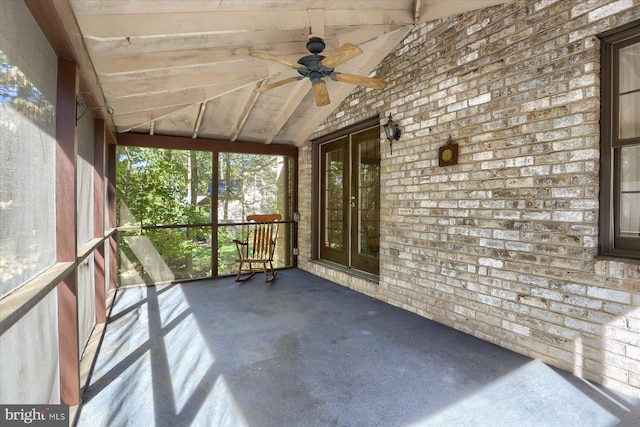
(303, 351)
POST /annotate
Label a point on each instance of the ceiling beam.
(359, 35)
(159, 85)
(121, 46)
(182, 143)
(300, 90)
(122, 64)
(152, 102)
(196, 128)
(152, 24)
(127, 122)
(228, 70)
(135, 26)
(316, 22)
(248, 106)
(449, 8)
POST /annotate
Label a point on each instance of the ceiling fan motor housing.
(315, 45)
(312, 64)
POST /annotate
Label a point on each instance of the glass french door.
(350, 200)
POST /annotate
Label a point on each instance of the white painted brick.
(489, 262)
(587, 80)
(582, 325)
(514, 327)
(584, 155)
(568, 216)
(609, 294)
(468, 58)
(506, 234)
(481, 99)
(610, 9)
(535, 105)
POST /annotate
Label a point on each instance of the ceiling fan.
(316, 67)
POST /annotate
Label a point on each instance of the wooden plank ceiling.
(183, 68)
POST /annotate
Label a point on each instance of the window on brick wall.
(620, 143)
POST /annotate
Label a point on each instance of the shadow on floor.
(303, 351)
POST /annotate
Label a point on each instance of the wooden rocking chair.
(255, 254)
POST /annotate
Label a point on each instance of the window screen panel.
(27, 150)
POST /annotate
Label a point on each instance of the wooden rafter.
(248, 106)
(450, 8)
(196, 128)
(122, 64)
(298, 92)
(166, 85)
(128, 122)
(316, 22)
(148, 25)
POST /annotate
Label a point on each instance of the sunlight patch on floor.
(529, 396)
(189, 358)
(220, 408)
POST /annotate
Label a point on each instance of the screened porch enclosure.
(178, 211)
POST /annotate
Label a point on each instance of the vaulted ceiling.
(184, 68)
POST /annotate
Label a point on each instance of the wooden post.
(66, 246)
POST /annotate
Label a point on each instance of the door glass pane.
(369, 198)
(334, 214)
(630, 192)
(629, 78)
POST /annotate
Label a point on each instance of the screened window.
(27, 155)
(172, 226)
(620, 150)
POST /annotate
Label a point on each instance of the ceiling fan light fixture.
(316, 67)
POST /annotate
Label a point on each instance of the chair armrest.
(238, 242)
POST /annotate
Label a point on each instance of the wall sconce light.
(392, 131)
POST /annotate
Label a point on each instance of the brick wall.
(503, 245)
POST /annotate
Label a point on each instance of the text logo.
(34, 415)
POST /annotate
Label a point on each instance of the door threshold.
(349, 270)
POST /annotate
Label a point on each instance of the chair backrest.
(263, 235)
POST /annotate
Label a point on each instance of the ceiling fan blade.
(360, 80)
(341, 55)
(277, 59)
(321, 94)
(276, 84)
